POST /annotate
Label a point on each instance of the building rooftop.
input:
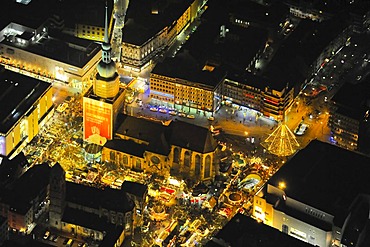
(294, 58)
(185, 67)
(110, 199)
(160, 137)
(134, 188)
(320, 176)
(154, 134)
(88, 12)
(32, 15)
(87, 220)
(29, 186)
(265, 16)
(18, 93)
(59, 47)
(353, 100)
(126, 146)
(10, 170)
(245, 231)
(191, 136)
(144, 19)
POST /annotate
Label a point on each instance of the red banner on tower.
(97, 119)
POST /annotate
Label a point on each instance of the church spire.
(106, 67)
(106, 24)
(106, 48)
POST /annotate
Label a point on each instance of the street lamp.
(282, 185)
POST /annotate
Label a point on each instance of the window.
(112, 156)
(138, 164)
(285, 229)
(207, 167)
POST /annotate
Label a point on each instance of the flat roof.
(267, 16)
(32, 15)
(110, 199)
(85, 219)
(353, 100)
(242, 230)
(184, 66)
(60, 47)
(134, 188)
(89, 12)
(295, 56)
(144, 19)
(28, 187)
(325, 177)
(18, 93)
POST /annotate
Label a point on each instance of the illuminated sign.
(2, 145)
(98, 119)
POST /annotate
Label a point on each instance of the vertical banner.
(2, 145)
(97, 119)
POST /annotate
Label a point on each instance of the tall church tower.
(103, 102)
(57, 195)
(106, 83)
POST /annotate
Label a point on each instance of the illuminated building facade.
(102, 103)
(26, 105)
(177, 149)
(181, 92)
(315, 197)
(150, 28)
(48, 55)
(276, 102)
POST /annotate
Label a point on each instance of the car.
(153, 109)
(162, 110)
(211, 118)
(70, 242)
(173, 113)
(181, 114)
(301, 129)
(46, 235)
(190, 116)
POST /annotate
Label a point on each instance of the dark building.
(244, 231)
(349, 117)
(319, 196)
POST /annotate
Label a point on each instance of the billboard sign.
(97, 119)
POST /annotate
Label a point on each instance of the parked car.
(46, 235)
(301, 129)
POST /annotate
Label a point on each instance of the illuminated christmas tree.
(281, 141)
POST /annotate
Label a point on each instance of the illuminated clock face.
(155, 160)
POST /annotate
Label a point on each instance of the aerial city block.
(183, 123)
